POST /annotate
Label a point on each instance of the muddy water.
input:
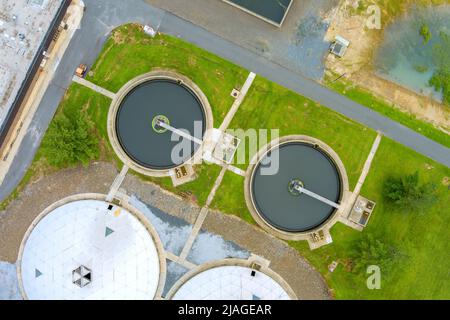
(404, 57)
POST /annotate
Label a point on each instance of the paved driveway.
(298, 45)
(102, 16)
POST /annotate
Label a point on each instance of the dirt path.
(97, 178)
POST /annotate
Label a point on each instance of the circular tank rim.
(100, 197)
(249, 199)
(157, 74)
(120, 108)
(332, 162)
(231, 262)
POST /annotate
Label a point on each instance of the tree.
(407, 193)
(441, 59)
(370, 251)
(441, 82)
(69, 141)
(425, 33)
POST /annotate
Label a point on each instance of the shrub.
(441, 59)
(425, 33)
(70, 141)
(407, 193)
(370, 250)
(441, 82)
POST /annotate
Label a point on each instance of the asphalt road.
(102, 16)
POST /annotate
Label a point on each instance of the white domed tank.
(90, 249)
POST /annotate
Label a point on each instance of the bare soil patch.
(357, 66)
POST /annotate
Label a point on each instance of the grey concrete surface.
(102, 16)
(298, 45)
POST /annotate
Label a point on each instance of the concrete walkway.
(237, 171)
(14, 222)
(117, 183)
(202, 215)
(296, 82)
(229, 167)
(237, 103)
(94, 87)
(195, 231)
(367, 165)
(102, 16)
(362, 178)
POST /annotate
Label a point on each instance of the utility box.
(81, 70)
(339, 46)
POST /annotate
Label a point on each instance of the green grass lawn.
(216, 78)
(421, 237)
(141, 53)
(77, 100)
(367, 99)
(230, 197)
(196, 191)
(270, 106)
(80, 99)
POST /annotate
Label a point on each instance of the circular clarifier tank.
(297, 186)
(148, 114)
(90, 249)
(231, 279)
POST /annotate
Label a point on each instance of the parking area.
(298, 44)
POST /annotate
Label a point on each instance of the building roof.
(231, 283)
(89, 250)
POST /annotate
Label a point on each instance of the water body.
(154, 98)
(404, 57)
(9, 284)
(174, 233)
(297, 212)
(174, 273)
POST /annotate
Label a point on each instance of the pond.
(408, 55)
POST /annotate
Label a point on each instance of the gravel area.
(97, 178)
(161, 199)
(306, 282)
(16, 219)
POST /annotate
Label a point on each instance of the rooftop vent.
(82, 276)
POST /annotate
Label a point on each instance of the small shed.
(150, 31)
(339, 46)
